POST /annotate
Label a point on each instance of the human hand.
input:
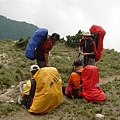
(48, 65)
(79, 52)
(21, 83)
(85, 54)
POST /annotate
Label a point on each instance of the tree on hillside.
(73, 41)
(22, 43)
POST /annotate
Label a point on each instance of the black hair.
(56, 36)
(78, 62)
(34, 71)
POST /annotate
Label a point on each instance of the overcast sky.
(67, 17)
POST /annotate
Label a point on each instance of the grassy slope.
(15, 67)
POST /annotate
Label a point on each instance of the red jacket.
(47, 46)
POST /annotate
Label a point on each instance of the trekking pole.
(79, 55)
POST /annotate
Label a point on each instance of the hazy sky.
(68, 16)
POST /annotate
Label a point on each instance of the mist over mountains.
(11, 29)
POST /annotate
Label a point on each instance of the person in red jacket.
(87, 48)
(74, 80)
(43, 57)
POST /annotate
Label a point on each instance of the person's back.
(48, 94)
(74, 80)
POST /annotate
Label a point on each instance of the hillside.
(14, 67)
(11, 29)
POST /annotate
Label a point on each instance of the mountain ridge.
(12, 29)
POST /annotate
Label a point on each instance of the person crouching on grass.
(74, 80)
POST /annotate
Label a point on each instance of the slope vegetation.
(14, 67)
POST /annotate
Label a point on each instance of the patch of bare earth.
(109, 79)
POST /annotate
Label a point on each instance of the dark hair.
(34, 71)
(78, 62)
(56, 36)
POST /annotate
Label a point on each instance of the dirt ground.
(25, 115)
(108, 79)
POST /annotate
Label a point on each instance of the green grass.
(6, 109)
(14, 67)
(80, 108)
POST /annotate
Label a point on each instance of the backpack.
(48, 93)
(36, 39)
(98, 33)
(91, 89)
